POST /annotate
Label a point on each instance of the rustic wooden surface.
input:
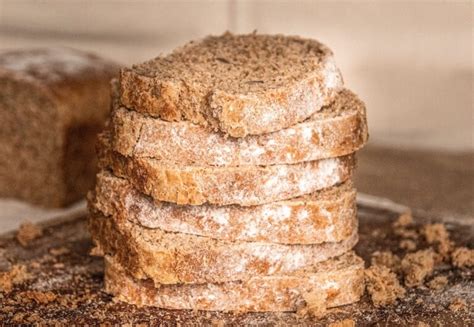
(76, 280)
(437, 182)
(437, 187)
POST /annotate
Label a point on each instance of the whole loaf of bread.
(52, 104)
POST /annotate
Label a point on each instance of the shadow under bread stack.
(225, 179)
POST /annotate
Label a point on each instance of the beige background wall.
(410, 61)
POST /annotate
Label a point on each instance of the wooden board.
(58, 262)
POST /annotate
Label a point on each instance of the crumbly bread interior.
(239, 64)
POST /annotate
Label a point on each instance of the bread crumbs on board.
(383, 285)
(27, 233)
(463, 257)
(387, 259)
(314, 305)
(408, 245)
(437, 235)
(417, 266)
(438, 283)
(458, 305)
(404, 220)
(39, 297)
(343, 323)
(16, 275)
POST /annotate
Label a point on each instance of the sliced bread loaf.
(328, 284)
(172, 258)
(245, 185)
(238, 84)
(53, 102)
(325, 216)
(338, 129)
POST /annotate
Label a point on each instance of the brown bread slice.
(53, 102)
(338, 129)
(238, 84)
(173, 258)
(244, 185)
(328, 284)
(325, 216)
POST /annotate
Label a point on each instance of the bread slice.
(331, 283)
(244, 185)
(172, 258)
(238, 84)
(338, 129)
(53, 102)
(325, 216)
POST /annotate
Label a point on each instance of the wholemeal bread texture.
(238, 84)
(173, 258)
(325, 216)
(340, 128)
(244, 185)
(53, 102)
(327, 284)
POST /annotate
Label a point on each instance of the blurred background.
(410, 61)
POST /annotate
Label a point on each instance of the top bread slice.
(338, 129)
(238, 84)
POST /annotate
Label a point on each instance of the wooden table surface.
(439, 183)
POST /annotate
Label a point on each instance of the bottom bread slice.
(327, 284)
(173, 258)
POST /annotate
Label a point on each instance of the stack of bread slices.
(225, 179)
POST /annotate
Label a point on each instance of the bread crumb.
(408, 245)
(59, 251)
(40, 297)
(437, 283)
(16, 275)
(387, 259)
(343, 323)
(436, 234)
(422, 324)
(406, 233)
(314, 305)
(35, 264)
(96, 252)
(383, 286)
(458, 305)
(463, 257)
(58, 265)
(27, 233)
(404, 220)
(19, 317)
(417, 266)
(217, 323)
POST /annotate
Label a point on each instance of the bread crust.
(173, 258)
(245, 185)
(325, 216)
(337, 282)
(233, 113)
(337, 130)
